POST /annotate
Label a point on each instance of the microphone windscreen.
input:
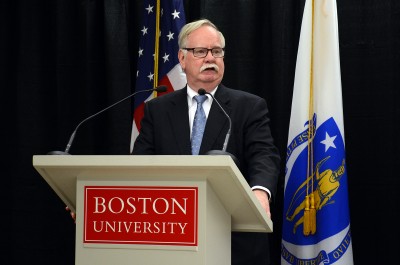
(201, 91)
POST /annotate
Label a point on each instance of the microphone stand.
(71, 139)
(202, 91)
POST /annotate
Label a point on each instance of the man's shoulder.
(167, 100)
(171, 95)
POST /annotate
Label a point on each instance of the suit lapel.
(217, 122)
(178, 114)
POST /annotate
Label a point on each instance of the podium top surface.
(61, 172)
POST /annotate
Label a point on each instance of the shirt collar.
(191, 93)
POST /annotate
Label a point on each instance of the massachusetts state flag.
(158, 62)
(316, 222)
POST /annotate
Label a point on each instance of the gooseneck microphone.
(202, 91)
(71, 139)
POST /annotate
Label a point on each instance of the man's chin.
(209, 79)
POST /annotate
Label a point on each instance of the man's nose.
(209, 56)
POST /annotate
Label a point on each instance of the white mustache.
(209, 65)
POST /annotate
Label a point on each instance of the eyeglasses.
(202, 52)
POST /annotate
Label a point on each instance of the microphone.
(71, 139)
(202, 91)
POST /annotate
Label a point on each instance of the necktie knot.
(200, 99)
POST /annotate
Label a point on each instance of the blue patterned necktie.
(199, 123)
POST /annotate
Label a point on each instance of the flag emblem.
(329, 169)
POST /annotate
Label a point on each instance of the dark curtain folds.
(63, 60)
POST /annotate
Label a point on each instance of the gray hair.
(190, 27)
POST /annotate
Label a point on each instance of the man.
(166, 127)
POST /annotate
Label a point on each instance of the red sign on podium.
(141, 215)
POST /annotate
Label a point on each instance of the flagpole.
(309, 225)
(156, 47)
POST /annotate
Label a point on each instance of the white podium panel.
(224, 203)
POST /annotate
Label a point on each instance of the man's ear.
(181, 57)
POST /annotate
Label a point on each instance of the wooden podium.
(116, 213)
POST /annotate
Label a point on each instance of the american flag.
(169, 73)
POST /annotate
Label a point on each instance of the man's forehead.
(206, 34)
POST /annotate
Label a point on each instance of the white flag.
(316, 221)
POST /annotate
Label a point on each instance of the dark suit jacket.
(165, 131)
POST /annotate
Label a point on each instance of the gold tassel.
(313, 216)
(306, 221)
